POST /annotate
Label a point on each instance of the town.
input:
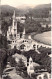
(25, 48)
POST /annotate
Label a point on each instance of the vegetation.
(7, 77)
(42, 58)
(3, 41)
(21, 69)
(3, 60)
(45, 50)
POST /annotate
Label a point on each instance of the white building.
(21, 19)
(30, 67)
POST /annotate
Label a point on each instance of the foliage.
(13, 51)
(20, 67)
(45, 50)
(12, 61)
(42, 58)
(3, 41)
(3, 60)
(7, 77)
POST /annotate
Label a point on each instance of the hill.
(26, 9)
(40, 11)
(9, 9)
(43, 6)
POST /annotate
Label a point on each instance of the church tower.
(23, 34)
(30, 68)
(30, 61)
(0, 22)
(0, 29)
(14, 26)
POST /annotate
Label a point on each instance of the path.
(12, 72)
(14, 75)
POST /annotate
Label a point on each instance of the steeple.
(14, 18)
(0, 22)
(23, 34)
(14, 25)
(0, 29)
(24, 31)
(30, 68)
(14, 15)
(30, 61)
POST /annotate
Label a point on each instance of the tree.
(3, 60)
(20, 67)
(3, 41)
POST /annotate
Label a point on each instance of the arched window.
(23, 40)
(40, 78)
(22, 46)
(45, 76)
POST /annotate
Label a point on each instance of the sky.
(18, 3)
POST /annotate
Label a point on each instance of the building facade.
(14, 39)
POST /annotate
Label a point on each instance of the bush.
(3, 60)
(12, 61)
(21, 68)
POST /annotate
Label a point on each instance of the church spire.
(0, 29)
(24, 31)
(14, 19)
(14, 15)
(23, 34)
(0, 22)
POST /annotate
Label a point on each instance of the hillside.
(9, 9)
(34, 11)
(43, 6)
(40, 11)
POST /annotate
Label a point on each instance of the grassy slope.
(44, 37)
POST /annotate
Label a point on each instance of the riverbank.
(43, 37)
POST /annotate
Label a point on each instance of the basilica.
(14, 39)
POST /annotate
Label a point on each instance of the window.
(40, 78)
(45, 76)
(15, 35)
(23, 40)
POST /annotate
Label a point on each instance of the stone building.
(14, 39)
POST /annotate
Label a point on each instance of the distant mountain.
(43, 6)
(41, 11)
(10, 9)
(7, 8)
(25, 9)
